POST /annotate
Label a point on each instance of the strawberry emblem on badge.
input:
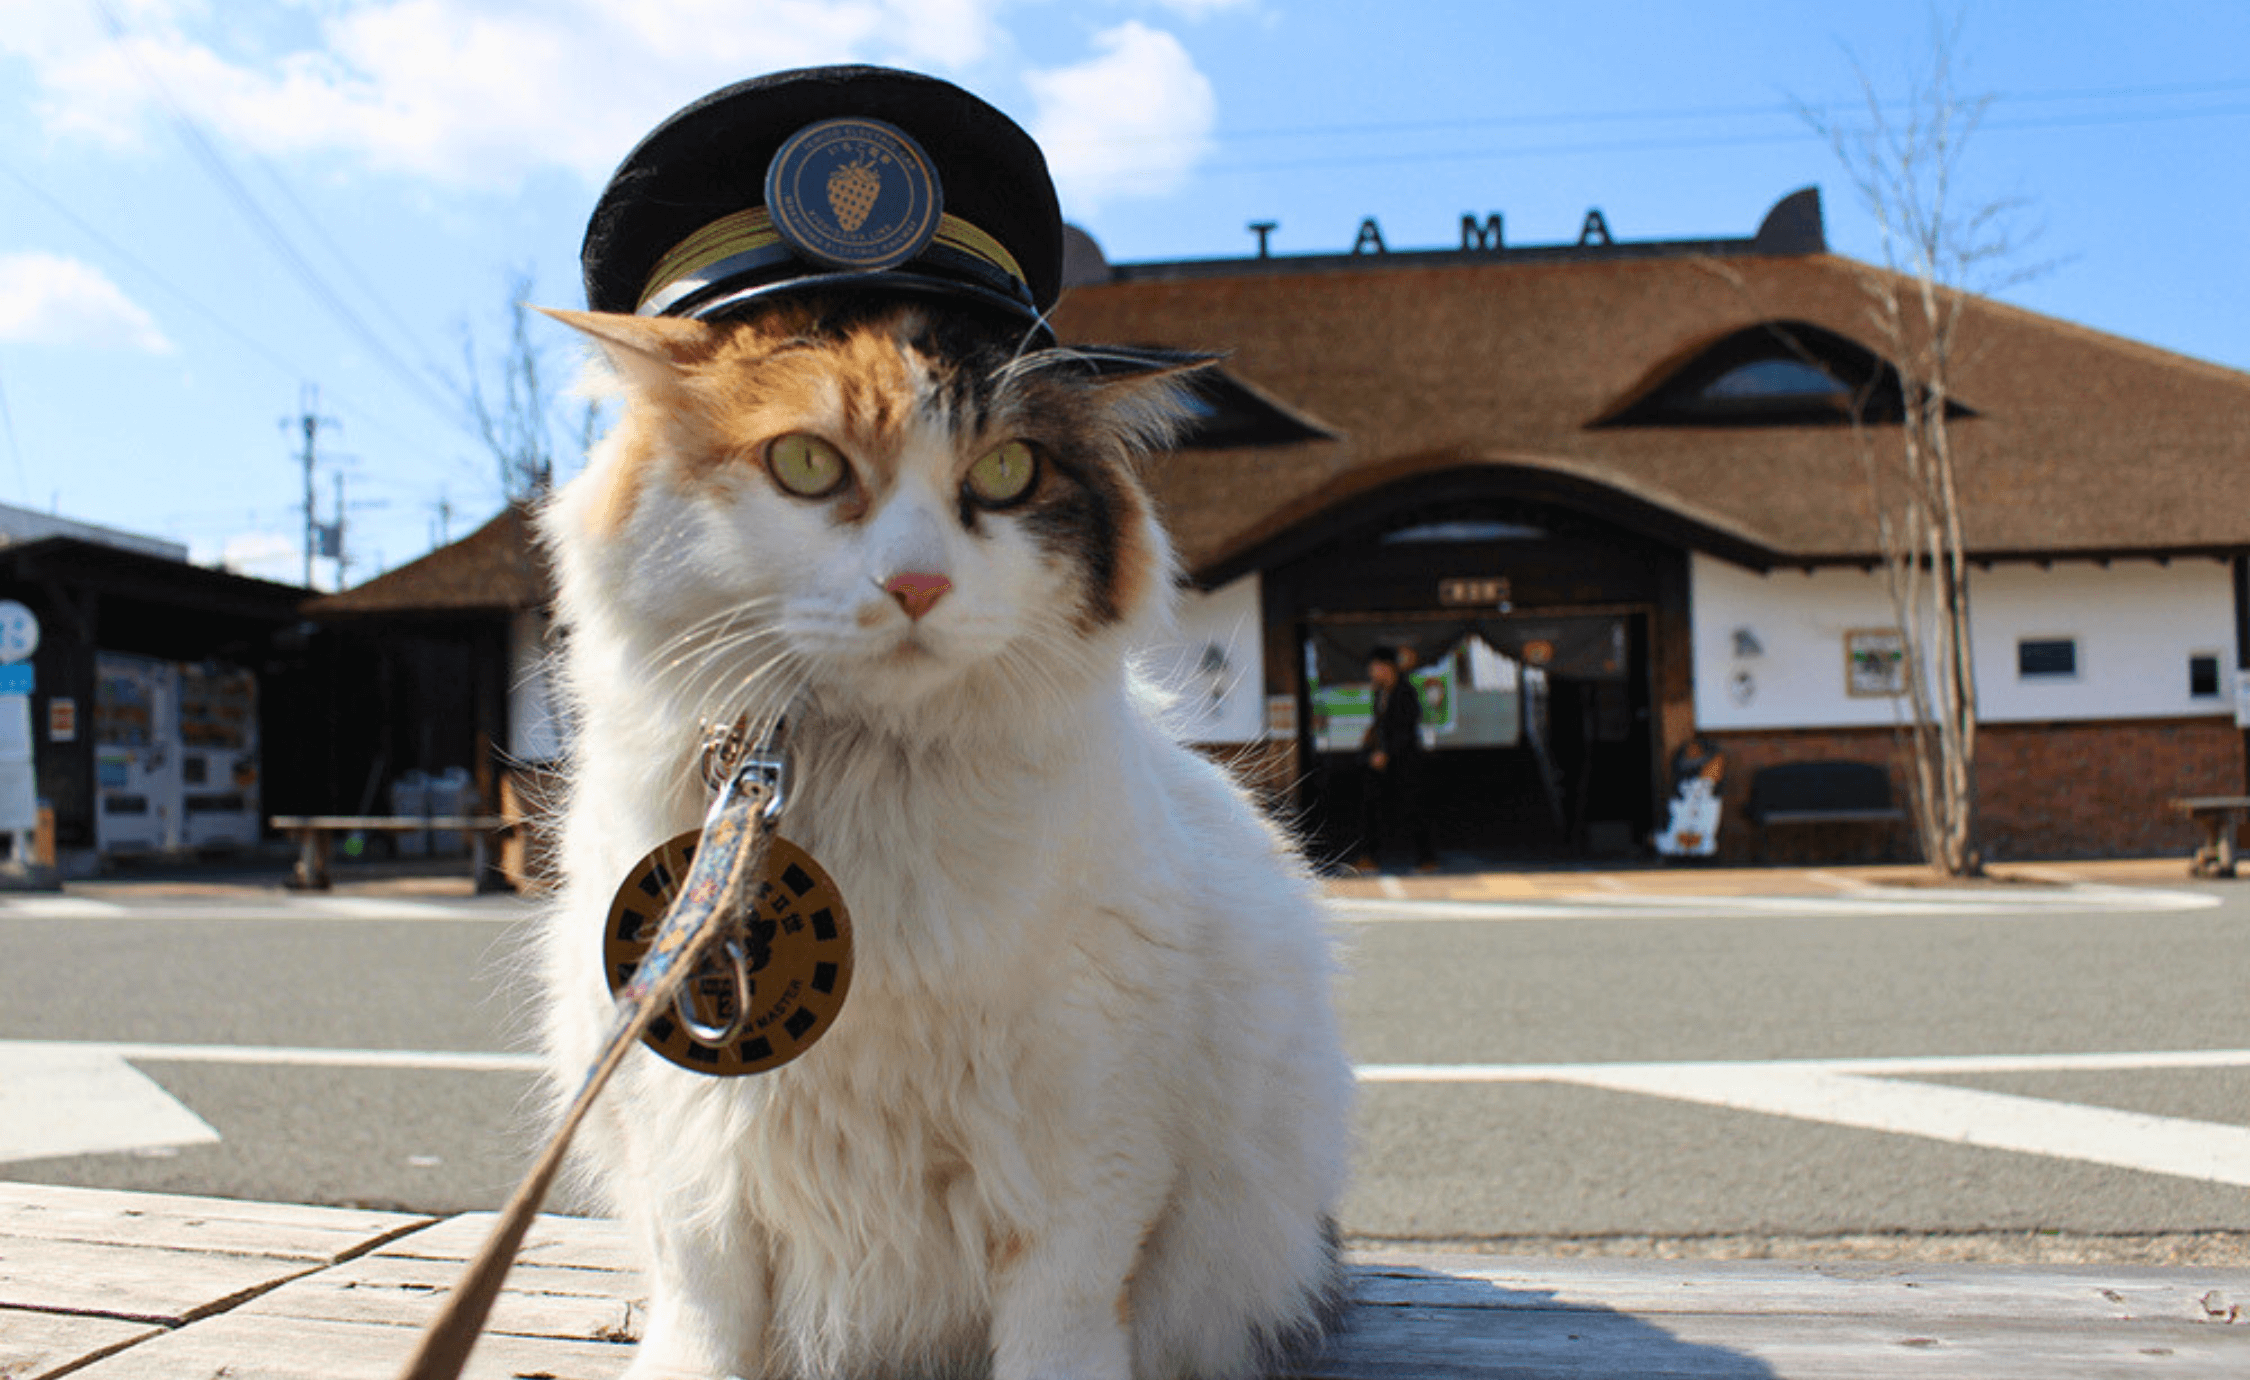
(854, 193)
(852, 190)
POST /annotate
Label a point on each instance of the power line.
(1687, 142)
(290, 368)
(1771, 109)
(351, 269)
(138, 265)
(207, 156)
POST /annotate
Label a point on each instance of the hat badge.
(854, 193)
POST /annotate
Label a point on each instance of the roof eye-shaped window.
(1776, 373)
(1776, 378)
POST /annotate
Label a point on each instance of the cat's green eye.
(1003, 474)
(806, 465)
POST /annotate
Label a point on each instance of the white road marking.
(1873, 903)
(261, 909)
(412, 1060)
(1864, 1094)
(64, 1100)
(1909, 1066)
(383, 908)
(61, 908)
(1962, 1116)
(61, 1097)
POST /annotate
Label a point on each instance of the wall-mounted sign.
(1483, 591)
(19, 631)
(62, 720)
(1874, 662)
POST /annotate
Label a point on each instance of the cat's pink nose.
(916, 591)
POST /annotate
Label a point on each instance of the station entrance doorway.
(1535, 729)
(1549, 623)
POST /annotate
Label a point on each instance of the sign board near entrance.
(1480, 591)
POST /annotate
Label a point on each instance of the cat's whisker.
(1039, 325)
(719, 652)
(716, 699)
(718, 703)
(723, 619)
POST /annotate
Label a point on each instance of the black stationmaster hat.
(828, 176)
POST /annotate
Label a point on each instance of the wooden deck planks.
(270, 1292)
(2046, 1294)
(89, 1273)
(1601, 1344)
(36, 1345)
(243, 1347)
(539, 1301)
(284, 1230)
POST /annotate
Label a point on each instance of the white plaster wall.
(534, 735)
(2136, 623)
(1215, 699)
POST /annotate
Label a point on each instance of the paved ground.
(1696, 1062)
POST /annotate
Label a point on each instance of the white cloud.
(477, 92)
(265, 555)
(46, 299)
(1133, 120)
(1198, 9)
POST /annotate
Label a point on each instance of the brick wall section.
(2050, 790)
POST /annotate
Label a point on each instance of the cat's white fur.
(1084, 1111)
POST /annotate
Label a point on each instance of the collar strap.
(716, 258)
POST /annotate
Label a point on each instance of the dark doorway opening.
(1537, 732)
(1517, 573)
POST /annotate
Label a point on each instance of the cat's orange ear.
(648, 351)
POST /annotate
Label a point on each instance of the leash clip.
(731, 764)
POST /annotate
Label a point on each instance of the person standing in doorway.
(1391, 806)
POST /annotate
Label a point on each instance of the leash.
(737, 833)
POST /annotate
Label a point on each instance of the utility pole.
(341, 563)
(310, 420)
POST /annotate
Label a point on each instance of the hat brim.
(738, 302)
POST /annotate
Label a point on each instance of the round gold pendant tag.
(797, 947)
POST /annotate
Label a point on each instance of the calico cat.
(1085, 1112)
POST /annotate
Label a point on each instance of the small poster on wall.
(1874, 662)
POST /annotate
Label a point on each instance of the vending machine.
(175, 755)
(136, 754)
(218, 756)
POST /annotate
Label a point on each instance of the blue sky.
(207, 208)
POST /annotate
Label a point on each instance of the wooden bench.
(316, 834)
(140, 1287)
(1820, 793)
(2220, 816)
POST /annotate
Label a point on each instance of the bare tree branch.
(1905, 169)
(518, 428)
